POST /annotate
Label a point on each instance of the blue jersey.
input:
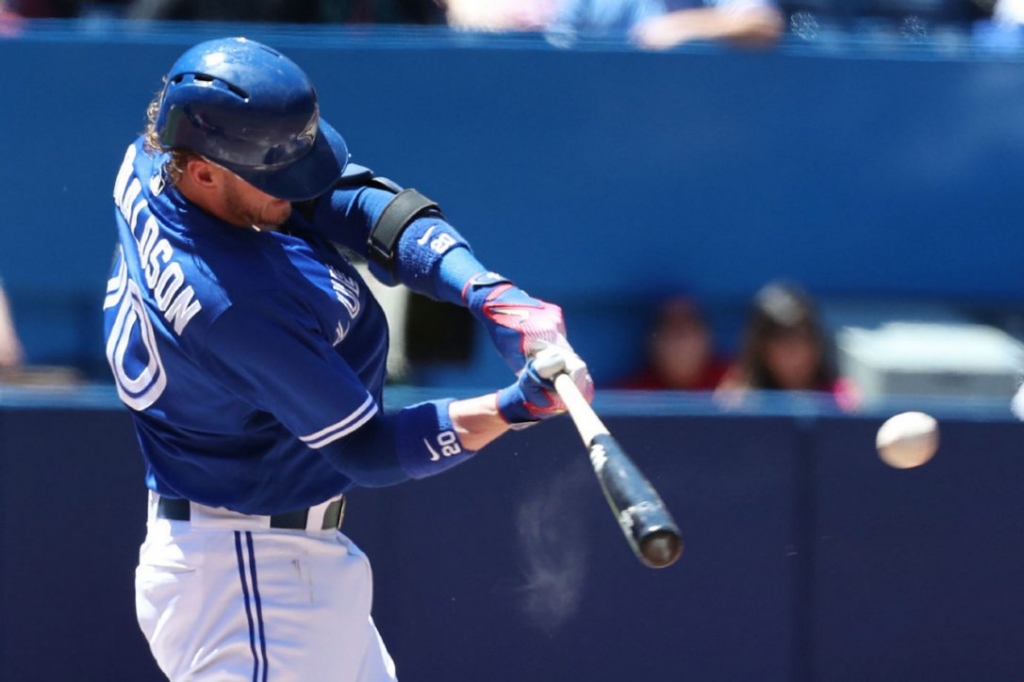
(243, 355)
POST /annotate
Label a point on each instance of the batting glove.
(533, 397)
(515, 321)
(521, 326)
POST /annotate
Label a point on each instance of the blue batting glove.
(533, 397)
(521, 326)
(518, 324)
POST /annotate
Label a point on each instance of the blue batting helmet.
(249, 108)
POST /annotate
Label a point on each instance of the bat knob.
(661, 548)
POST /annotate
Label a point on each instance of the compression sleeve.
(432, 258)
(421, 438)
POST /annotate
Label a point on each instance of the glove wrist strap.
(511, 404)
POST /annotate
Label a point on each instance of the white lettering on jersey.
(116, 284)
(144, 388)
(347, 291)
(138, 369)
(165, 279)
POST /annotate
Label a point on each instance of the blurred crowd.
(649, 24)
(15, 365)
(785, 346)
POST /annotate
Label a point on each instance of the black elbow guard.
(404, 207)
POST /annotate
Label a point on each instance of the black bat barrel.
(646, 523)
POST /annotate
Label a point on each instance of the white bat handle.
(583, 415)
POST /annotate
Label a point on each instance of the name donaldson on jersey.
(173, 297)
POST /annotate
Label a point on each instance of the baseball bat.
(645, 521)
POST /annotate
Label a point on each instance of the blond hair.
(178, 159)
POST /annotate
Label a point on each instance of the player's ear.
(202, 173)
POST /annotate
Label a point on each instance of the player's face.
(245, 205)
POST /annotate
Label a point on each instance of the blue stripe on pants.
(259, 606)
(248, 609)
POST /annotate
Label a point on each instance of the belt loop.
(334, 514)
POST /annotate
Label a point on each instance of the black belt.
(181, 510)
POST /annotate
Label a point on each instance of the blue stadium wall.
(596, 176)
(807, 559)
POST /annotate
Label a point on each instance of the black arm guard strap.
(406, 206)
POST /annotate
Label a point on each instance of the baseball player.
(252, 357)
(11, 353)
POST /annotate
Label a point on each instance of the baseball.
(908, 440)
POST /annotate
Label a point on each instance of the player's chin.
(276, 212)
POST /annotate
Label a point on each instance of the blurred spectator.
(745, 23)
(14, 369)
(10, 23)
(785, 348)
(62, 9)
(1008, 13)
(500, 15)
(680, 351)
(291, 11)
(44, 9)
(11, 353)
(1005, 29)
(931, 14)
(912, 20)
(382, 12)
(662, 24)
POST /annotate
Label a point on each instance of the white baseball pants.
(231, 600)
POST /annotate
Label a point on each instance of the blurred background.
(771, 225)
